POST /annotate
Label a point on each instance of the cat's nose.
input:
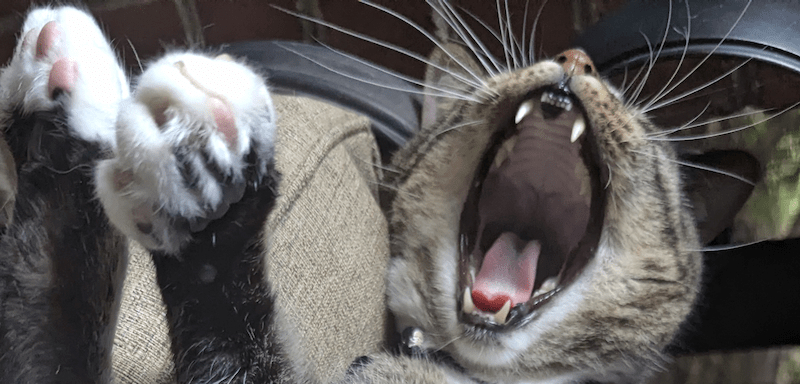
(576, 62)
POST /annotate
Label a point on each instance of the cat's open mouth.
(533, 216)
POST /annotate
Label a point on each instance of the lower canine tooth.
(502, 315)
(577, 129)
(467, 306)
(547, 286)
(504, 151)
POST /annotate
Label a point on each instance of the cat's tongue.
(507, 273)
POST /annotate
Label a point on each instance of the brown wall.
(151, 26)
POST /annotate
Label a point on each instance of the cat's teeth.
(562, 102)
(577, 129)
(502, 315)
(499, 317)
(504, 151)
(524, 109)
(547, 286)
(468, 306)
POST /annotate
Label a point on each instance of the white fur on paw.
(183, 141)
(62, 58)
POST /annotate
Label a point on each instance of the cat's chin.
(533, 217)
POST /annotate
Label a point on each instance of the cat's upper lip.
(537, 187)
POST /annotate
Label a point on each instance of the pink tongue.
(507, 273)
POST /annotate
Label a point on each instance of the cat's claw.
(194, 133)
(64, 61)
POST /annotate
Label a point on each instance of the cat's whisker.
(726, 132)
(441, 92)
(691, 125)
(686, 35)
(532, 49)
(84, 166)
(479, 82)
(699, 166)
(634, 81)
(476, 83)
(443, 346)
(457, 126)
(395, 188)
(702, 92)
(727, 247)
(513, 44)
(467, 36)
(503, 35)
(380, 165)
(522, 47)
(649, 67)
(500, 66)
(136, 55)
(649, 106)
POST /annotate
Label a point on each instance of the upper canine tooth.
(524, 109)
(467, 306)
(577, 129)
(502, 315)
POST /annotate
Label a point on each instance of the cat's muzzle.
(533, 217)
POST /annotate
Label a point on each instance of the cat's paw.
(386, 368)
(194, 133)
(62, 60)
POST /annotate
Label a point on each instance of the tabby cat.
(538, 235)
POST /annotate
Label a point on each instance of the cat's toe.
(195, 133)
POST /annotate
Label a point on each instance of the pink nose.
(575, 62)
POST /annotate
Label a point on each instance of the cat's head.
(538, 231)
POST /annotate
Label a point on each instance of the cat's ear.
(450, 70)
(716, 198)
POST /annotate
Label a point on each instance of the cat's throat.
(528, 212)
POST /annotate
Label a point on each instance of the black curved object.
(768, 31)
(391, 103)
(750, 299)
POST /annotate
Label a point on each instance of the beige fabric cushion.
(141, 345)
(328, 249)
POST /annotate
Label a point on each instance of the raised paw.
(64, 63)
(195, 132)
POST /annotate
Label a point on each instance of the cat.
(542, 167)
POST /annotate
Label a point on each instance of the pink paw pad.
(225, 120)
(63, 76)
(64, 72)
(48, 37)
